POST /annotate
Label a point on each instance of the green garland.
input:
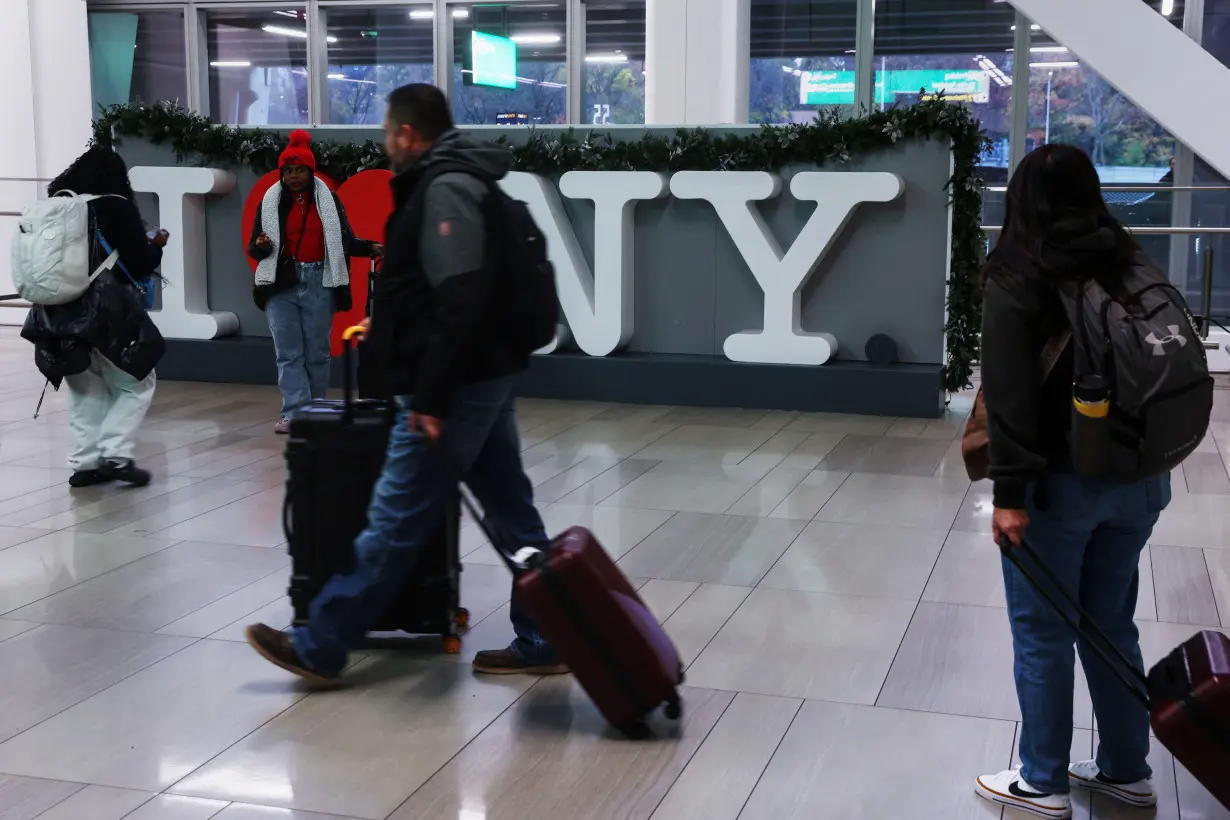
(830, 139)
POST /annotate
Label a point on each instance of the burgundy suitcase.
(585, 607)
(1187, 693)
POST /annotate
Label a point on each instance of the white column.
(45, 63)
(696, 63)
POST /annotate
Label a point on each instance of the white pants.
(105, 409)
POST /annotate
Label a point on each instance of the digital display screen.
(491, 61)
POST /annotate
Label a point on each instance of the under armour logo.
(1159, 345)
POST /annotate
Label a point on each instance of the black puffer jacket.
(110, 317)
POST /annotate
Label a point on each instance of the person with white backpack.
(83, 259)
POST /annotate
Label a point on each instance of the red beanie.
(299, 152)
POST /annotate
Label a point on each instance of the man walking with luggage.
(443, 324)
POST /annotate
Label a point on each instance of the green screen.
(837, 87)
(493, 60)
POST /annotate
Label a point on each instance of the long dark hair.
(98, 171)
(1056, 222)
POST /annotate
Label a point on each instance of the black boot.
(86, 478)
(124, 470)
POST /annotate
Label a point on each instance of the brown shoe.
(508, 662)
(275, 647)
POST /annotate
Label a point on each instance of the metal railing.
(1205, 317)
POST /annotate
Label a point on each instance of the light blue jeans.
(481, 440)
(1091, 534)
(301, 320)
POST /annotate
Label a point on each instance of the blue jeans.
(301, 320)
(481, 440)
(1091, 534)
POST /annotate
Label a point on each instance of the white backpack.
(51, 251)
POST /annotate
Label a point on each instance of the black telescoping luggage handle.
(1088, 629)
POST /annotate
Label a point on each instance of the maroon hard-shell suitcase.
(593, 617)
(1190, 691)
(1187, 693)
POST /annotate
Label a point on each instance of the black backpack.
(527, 303)
(1144, 342)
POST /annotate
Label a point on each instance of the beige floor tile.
(896, 455)
(59, 508)
(873, 560)
(10, 628)
(976, 510)
(1194, 521)
(709, 445)
(61, 666)
(665, 597)
(715, 417)
(969, 571)
(698, 619)
(581, 769)
(957, 660)
(247, 811)
(1195, 802)
(25, 798)
(609, 482)
(1218, 562)
(603, 438)
(173, 807)
(11, 536)
(1146, 597)
(1183, 587)
(167, 510)
(812, 450)
(255, 521)
(769, 492)
(18, 481)
(841, 424)
(688, 487)
(154, 728)
(618, 529)
(1206, 474)
(277, 614)
(798, 644)
(418, 715)
(155, 591)
(836, 758)
(572, 479)
(906, 501)
(720, 777)
(713, 549)
(207, 620)
(98, 803)
(57, 561)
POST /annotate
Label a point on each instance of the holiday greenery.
(829, 140)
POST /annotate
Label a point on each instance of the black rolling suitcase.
(335, 453)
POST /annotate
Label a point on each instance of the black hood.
(1080, 246)
(493, 160)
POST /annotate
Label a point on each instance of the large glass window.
(371, 52)
(964, 49)
(509, 64)
(137, 55)
(614, 62)
(258, 66)
(802, 59)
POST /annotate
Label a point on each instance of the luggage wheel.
(674, 707)
(452, 645)
(462, 618)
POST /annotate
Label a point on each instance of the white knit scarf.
(336, 274)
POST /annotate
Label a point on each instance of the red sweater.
(312, 231)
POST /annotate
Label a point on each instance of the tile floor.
(828, 579)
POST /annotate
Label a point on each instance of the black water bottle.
(1090, 426)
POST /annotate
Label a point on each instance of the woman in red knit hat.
(303, 244)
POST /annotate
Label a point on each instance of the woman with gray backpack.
(83, 258)
(1095, 386)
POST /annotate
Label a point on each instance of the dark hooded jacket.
(435, 319)
(1030, 420)
(110, 317)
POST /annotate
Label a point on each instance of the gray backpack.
(1144, 342)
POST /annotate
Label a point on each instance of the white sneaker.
(1086, 775)
(1008, 789)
